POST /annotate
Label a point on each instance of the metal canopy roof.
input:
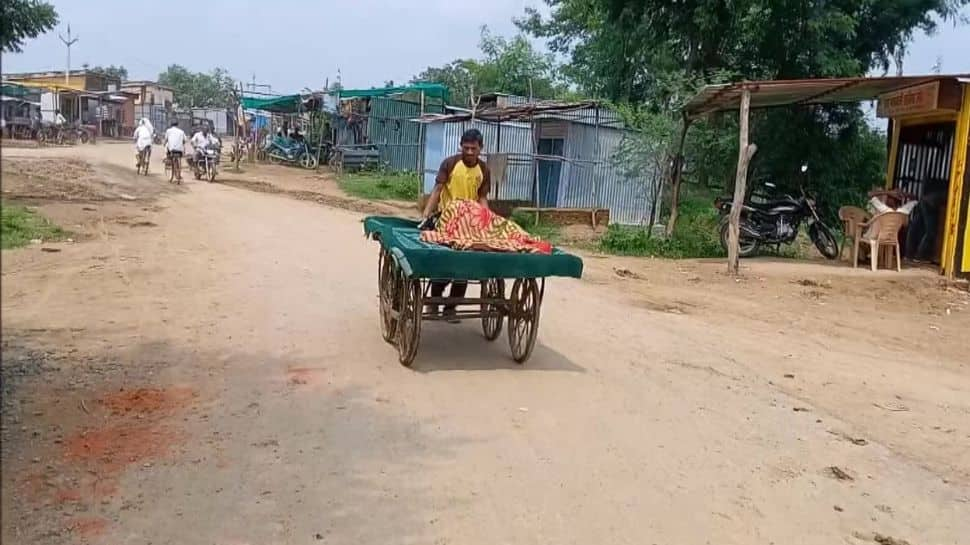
(517, 112)
(767, 94)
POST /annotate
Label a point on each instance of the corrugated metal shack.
(381, 118)
(556, 155)
(550, 154)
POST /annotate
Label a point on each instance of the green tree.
(456, 75)
(657, 53)
(119, 71)
(508, 65)
(23, 19)
(199, 89)
(621, 47)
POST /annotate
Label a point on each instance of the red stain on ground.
(92, 460)
(147, 400)
(90, 489)
(67, 495)
(302, 376)
(109, 450)
(87, 527)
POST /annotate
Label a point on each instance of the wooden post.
(745, 152)
(596, 163)
(677, 169)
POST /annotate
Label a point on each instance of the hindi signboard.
(918, 99)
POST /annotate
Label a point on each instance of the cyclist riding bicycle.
(175, 148)
(143, 141)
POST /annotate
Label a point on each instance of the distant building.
(78, 80)
(150, 93)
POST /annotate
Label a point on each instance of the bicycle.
(143, 159)
(173, 163)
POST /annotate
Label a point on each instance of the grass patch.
(381, 186)
(696, 235)
(19, 225)
(541, 229)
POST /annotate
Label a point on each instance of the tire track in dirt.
(354, 205)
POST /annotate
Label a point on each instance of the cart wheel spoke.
(493, 316)
(409, 322)
(387, 282)
(523, 318)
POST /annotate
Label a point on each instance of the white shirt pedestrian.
(175, 139)
(143, 137)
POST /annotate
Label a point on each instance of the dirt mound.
(60, 179)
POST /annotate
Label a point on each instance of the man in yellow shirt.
(463, 176)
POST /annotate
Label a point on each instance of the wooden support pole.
(745, 152)
(676, 174)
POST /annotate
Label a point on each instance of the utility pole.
(68, 42)
(253, 86)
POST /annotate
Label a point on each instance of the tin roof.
(767, 94)
(517, 112)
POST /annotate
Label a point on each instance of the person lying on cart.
(463, 176)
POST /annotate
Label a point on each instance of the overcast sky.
(292, 44)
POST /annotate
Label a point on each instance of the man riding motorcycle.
(201, 140)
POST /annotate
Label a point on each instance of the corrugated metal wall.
(511, 139)
(400, 141)
(217, 117)
(592, 174)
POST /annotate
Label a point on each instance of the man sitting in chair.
(463, 176)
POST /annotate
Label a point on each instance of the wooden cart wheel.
(523, 318)
(387, 281)
(409, 321)
(492, 314)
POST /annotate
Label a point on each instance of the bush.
(381, 186)
(541, 229)
(696, 234)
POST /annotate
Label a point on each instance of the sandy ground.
(204, 366)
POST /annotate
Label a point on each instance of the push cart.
(407, 266)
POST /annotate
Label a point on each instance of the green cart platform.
(407, 266)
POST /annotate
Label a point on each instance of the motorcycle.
(776, 222)
(280, 150)
(206, 163)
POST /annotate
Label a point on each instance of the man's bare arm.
(433, 200)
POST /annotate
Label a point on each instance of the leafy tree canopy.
(199, 89)
(655, 54)
(21, 20)
(622, 49)
(508, 65)
(119, 72)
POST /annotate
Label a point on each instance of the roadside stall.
(926, 174)
(929, 125)
(286, 128)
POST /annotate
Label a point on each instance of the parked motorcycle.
(291, 151)
(777, 222)
(206, 164)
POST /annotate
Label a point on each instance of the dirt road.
(210, 371)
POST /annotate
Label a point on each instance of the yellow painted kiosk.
(929, 119)
(929, 126)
